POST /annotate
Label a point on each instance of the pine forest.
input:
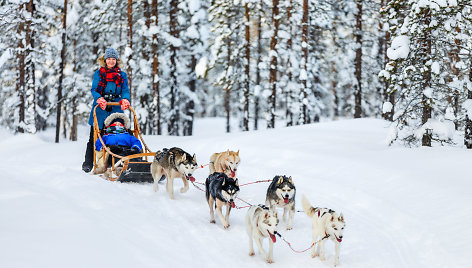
(263, 63)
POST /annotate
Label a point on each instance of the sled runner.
(129, 168)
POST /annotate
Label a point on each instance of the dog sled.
(130, 168)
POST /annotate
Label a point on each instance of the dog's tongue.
(286, 200)
(233, 205)
(272, 237)
(191, 178)
(233, 173)
(339, 239)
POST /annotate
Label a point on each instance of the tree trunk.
(61, 75)
(289, 93)
(273, 64)
(258, 71)
(468, 121)
(304, 90)
(247, 70)
(190, 104)
(454, 56)
(75, 120)
(426, 101)
(21, 84)
(358, 63)
(30, 87)
(227, 87)
(155, 71)
(130, 46)
(173, 127)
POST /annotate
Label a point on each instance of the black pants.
(89, 151)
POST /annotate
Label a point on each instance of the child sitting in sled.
(118, 139)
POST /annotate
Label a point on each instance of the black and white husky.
(281, 193)
(262, 223)
(326, 225)
(220, 191)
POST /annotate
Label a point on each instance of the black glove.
(135, 150)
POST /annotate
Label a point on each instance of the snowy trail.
(54, 215)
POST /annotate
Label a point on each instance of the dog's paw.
(289, 228)
(251, 253)
(183, 189)
(313, 255)
(226, 226)
(269, 261)
(212, 221)
(322, 258)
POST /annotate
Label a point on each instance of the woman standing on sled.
(110, 84)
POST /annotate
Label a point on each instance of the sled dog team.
(222, 188)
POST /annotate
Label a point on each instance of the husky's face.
(335, 227)
(187, 166)
(230, 190)
(269, 224)
(285, 189)
(232, 161)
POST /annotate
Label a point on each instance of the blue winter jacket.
(124, 139)
(111, 88)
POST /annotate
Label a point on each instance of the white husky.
(261, 223)
(326, 224)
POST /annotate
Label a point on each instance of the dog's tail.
(309, 210)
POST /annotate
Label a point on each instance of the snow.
(6, 55)
(444, 130)
(435, 68)
(467, 105)
(387, 107)
(399, 48)
(403, 207)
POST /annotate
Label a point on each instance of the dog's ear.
(237, 153)
(290, 180)
(341, 217)
(236, 182)
(227, 152)
(266, 215)
(184, 157)
(281, 179)
(194, 158)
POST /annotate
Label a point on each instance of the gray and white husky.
(262, 223)
(281, 193)
(221, 190)
(173, 163)
(326, 224)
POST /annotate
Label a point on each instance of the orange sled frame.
(131, 168)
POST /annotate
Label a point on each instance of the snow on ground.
(403, 207)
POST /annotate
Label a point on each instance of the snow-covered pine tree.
(273, 56)
(319, 98)
(340, 56)
(417, 73)
(246, 83)
(393, 14)
(224, 63)
(9, 21)
(174, 46)
(194, 49)
(25, 82)
(260, 65)
(155, 109)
